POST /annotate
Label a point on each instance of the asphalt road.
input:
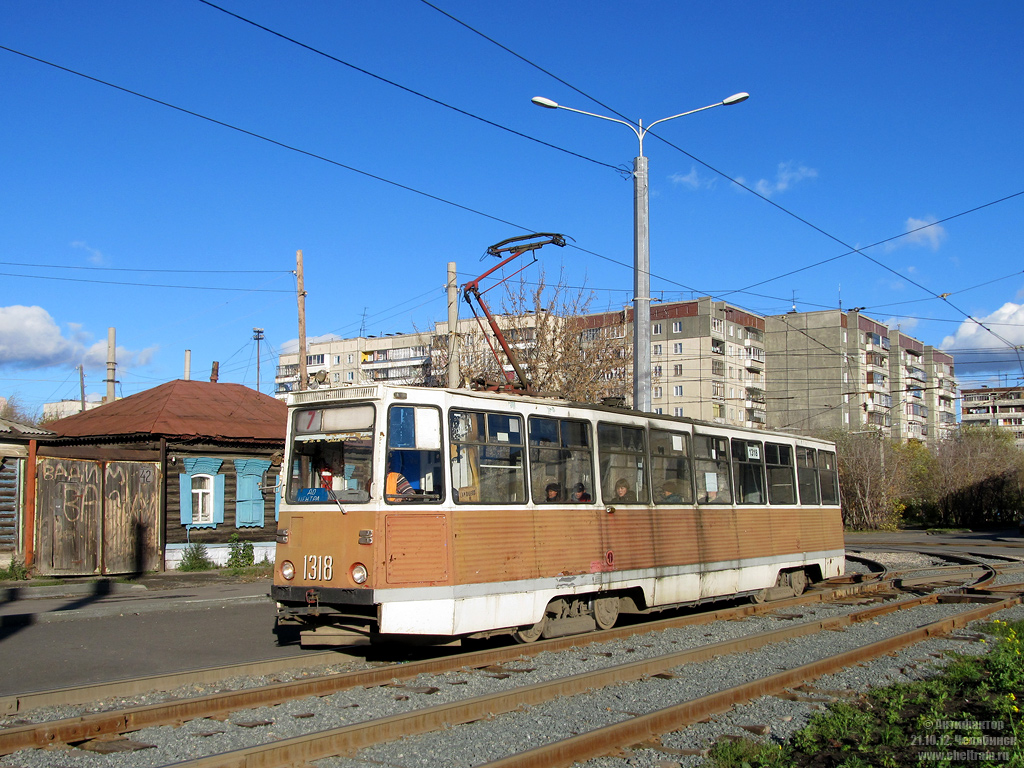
(55, 642)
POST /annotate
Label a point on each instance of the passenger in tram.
(622, 493)
(670, 493)
(396, 484)
(553, 493)
(579, 494)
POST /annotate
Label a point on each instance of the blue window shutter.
(248, 496)
(249, 505)
(185, 490)
(218, 499)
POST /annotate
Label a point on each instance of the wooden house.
(17, 442)
(125, 487)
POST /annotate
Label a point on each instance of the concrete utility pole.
(81, 386)
(454, 374)
(111, 364)
(302, 320)
(641, 245)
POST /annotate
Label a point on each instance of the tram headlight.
(288, 570)
(358, 573)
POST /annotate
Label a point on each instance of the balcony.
(376, 365)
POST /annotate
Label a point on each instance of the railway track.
(482, 666)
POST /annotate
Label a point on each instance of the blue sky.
(865, 120)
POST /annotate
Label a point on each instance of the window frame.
(608, 449)
(476, 465)
(437, 494)
(585, 451)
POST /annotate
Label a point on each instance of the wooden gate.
(97, 517)
(131, 515)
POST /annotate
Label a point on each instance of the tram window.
(748, 471)
(711, 469)
(828, 476)
(332, 455)
(807, 475)
(487, 458)
(561, 461)
(670, 467)
(779, 463)
(623, 456)
(413, 461)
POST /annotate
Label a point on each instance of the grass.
(968, 714)
(15, 571)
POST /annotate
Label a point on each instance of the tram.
(432, 515)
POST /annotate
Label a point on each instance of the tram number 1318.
(317, 567)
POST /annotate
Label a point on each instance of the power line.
(146, 285)
(136, 269)
(851, 249)
(404, 88)
(267, 139)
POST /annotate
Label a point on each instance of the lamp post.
(641, 246)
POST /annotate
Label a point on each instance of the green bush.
(195, 558)
(240, 553)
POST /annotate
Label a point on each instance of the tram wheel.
(798, 581)
(606, 612)
(532, 634)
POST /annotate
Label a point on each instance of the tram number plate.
(317, 567)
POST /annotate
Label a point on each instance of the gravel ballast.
(505, 734)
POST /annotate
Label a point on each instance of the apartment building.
(1001, 407)
(708, 362)
(835, 369)
(397, 358)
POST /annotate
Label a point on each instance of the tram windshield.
(332, 455)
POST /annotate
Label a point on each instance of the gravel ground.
(486, 740)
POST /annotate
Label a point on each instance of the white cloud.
(976, 350)
(693, 180)
(786, 176)
(95, 256)
(30, 338)
(291, 346)
(903, 324)
(924, 232)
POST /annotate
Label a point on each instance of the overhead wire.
(408, 90)
(764, 198)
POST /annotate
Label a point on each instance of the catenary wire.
(764, 198)
(403, 87)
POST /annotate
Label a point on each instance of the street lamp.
(641, 246)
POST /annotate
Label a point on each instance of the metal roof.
(184, 409)
(10, 428)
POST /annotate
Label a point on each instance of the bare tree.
(977, 478)
(874, 479)
(561, 347)
(12, 410)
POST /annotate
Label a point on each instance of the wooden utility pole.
(302, 320)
